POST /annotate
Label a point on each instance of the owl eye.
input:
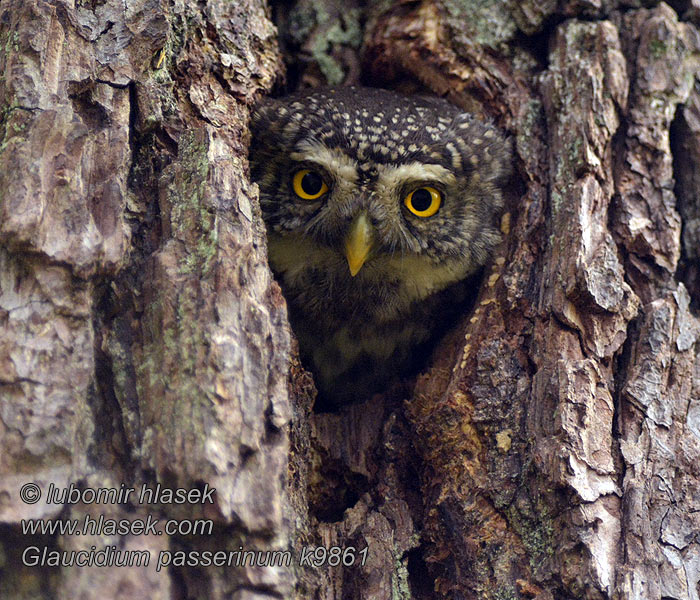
(423, 202)
(309, 185)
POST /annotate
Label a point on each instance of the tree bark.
(549, 451)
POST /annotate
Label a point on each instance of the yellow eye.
(423, 202)
(309, 185)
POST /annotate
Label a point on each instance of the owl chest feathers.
(360, 331)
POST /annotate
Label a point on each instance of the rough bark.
(550, 450)
(143, 336)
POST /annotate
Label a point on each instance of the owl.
(378, 208)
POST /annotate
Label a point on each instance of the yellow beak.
(358, 243)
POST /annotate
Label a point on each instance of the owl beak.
(358, 243)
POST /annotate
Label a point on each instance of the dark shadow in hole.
(685, 150)
(341, 490)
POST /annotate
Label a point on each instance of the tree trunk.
(550, 450)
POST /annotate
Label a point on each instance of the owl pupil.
(421, 199)
(311, 183)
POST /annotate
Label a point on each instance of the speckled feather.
(373, 147)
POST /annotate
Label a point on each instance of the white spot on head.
(456, 157)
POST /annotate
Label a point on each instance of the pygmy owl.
(378, 207)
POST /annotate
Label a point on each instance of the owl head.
(370, 179)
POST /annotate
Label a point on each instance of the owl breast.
(378, 207)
